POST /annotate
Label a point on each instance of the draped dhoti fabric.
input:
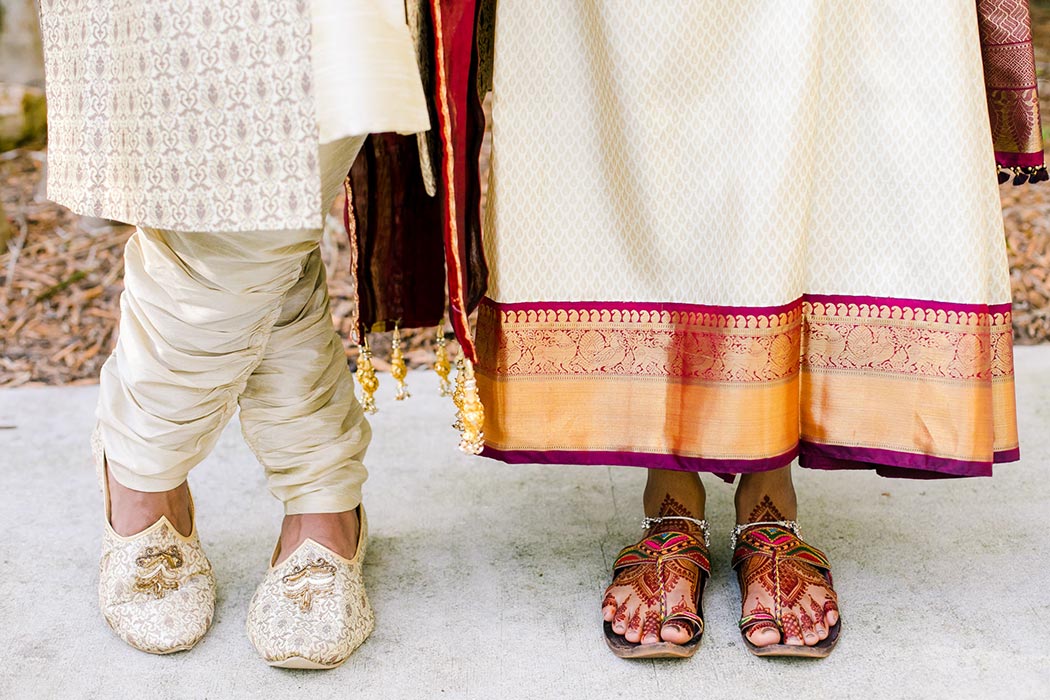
(723, 237)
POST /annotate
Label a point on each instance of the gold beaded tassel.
(366, 377)
(457, 394)
(398, 368)
(471, 413)
(442, 365)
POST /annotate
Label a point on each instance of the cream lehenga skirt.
(726, 236)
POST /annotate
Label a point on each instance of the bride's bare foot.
(808, 604)
(131, 512)
(336, 531)
(632, 602)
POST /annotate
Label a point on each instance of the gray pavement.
(486, 578)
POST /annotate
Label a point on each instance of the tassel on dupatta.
(413, 207)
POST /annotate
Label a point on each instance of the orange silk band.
(919, 385)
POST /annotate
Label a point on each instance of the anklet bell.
(786, 524)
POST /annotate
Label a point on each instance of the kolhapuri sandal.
(789, 567)
(654, 567)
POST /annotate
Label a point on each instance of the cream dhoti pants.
(215, 321)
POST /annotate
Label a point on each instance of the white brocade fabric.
(742, 154)
(365, 71)
(312, 610)
(207, 116)
(156, 589)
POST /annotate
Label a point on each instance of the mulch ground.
(62, 275)
(61, 279)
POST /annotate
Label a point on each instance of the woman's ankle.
(766, 496)
(674, 495)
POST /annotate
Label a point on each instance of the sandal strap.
(659, 549)
(775, 540)
(664, 547)
(689, 618)
(758, 620)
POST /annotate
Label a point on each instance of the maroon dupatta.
(1013, 96)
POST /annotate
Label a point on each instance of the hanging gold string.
(442, 365)
(398, 368)
(366, 377)
(457, 393)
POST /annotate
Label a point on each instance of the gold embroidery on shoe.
(156, 570)
(316, 579)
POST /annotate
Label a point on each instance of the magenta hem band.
(670, 462)
(1006, 456)
(1019, 160)
(897, 464)
(889, 463)
(744, 310)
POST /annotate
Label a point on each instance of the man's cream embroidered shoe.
(312, 610)
(156, 589)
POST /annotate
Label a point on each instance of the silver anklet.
(786, 524)
(705, 528)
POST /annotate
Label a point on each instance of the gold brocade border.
(1014, 116)
(741, 345)
(915, 385)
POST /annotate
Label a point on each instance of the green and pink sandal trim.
(789, 559)
(658, 550)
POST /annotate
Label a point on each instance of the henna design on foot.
(651, 628)
(621, 613)
(647, 583)
(818, 614)
(792, 628)
(765, 511)
(671, 507)
(791, 578)
(806, 623)
(644, 581)
(636, 620)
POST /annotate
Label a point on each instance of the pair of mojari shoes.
(777, 547)
(157, 593)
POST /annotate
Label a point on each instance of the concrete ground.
(487, 578)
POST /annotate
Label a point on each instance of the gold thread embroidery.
(704, 346)
(157, 571)
(314, 580)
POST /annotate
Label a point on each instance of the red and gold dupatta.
(1013, 96)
